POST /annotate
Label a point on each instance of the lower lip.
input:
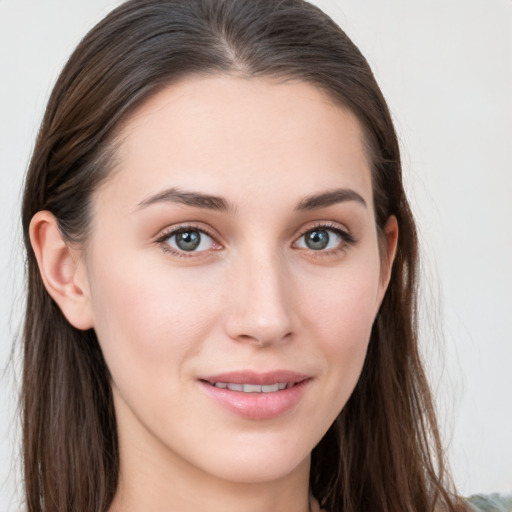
(257, 406)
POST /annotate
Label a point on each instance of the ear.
(388, 253)
(61, 269)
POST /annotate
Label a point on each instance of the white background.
(445, 67)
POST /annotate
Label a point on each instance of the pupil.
(188, 240)
(317, 240)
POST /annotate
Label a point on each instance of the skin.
(253, 296)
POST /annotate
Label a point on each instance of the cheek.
(343, 307)
(340, 316)
(147, 321)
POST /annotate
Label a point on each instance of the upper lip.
(252, 377)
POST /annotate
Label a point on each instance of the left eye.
(320, 239)
(190, 240)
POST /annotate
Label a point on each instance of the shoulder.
(490, 503)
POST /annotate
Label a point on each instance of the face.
(233, 274)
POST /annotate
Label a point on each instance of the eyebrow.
(197, 199)
(325, 199)
(217, 203)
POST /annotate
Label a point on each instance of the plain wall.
(446, 69)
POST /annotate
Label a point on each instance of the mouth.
(247, 381)
(257, 396)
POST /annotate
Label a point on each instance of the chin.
(257, 460)
(261, 471)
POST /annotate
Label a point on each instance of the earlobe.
(61, 270)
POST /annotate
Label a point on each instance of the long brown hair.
(383, 453)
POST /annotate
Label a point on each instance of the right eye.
(187, 240)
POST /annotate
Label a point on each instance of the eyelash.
(347, 239)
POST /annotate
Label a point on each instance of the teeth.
(253, 388)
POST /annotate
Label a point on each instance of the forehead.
(225, 134)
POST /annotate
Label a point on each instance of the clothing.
(478, 503)
(490, 503)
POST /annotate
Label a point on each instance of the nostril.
(264, 339)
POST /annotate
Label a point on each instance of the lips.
(261, 379)
(257, 396)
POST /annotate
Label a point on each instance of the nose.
(260, 309)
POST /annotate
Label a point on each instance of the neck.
(143, 488)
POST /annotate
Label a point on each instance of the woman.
(195, 338)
